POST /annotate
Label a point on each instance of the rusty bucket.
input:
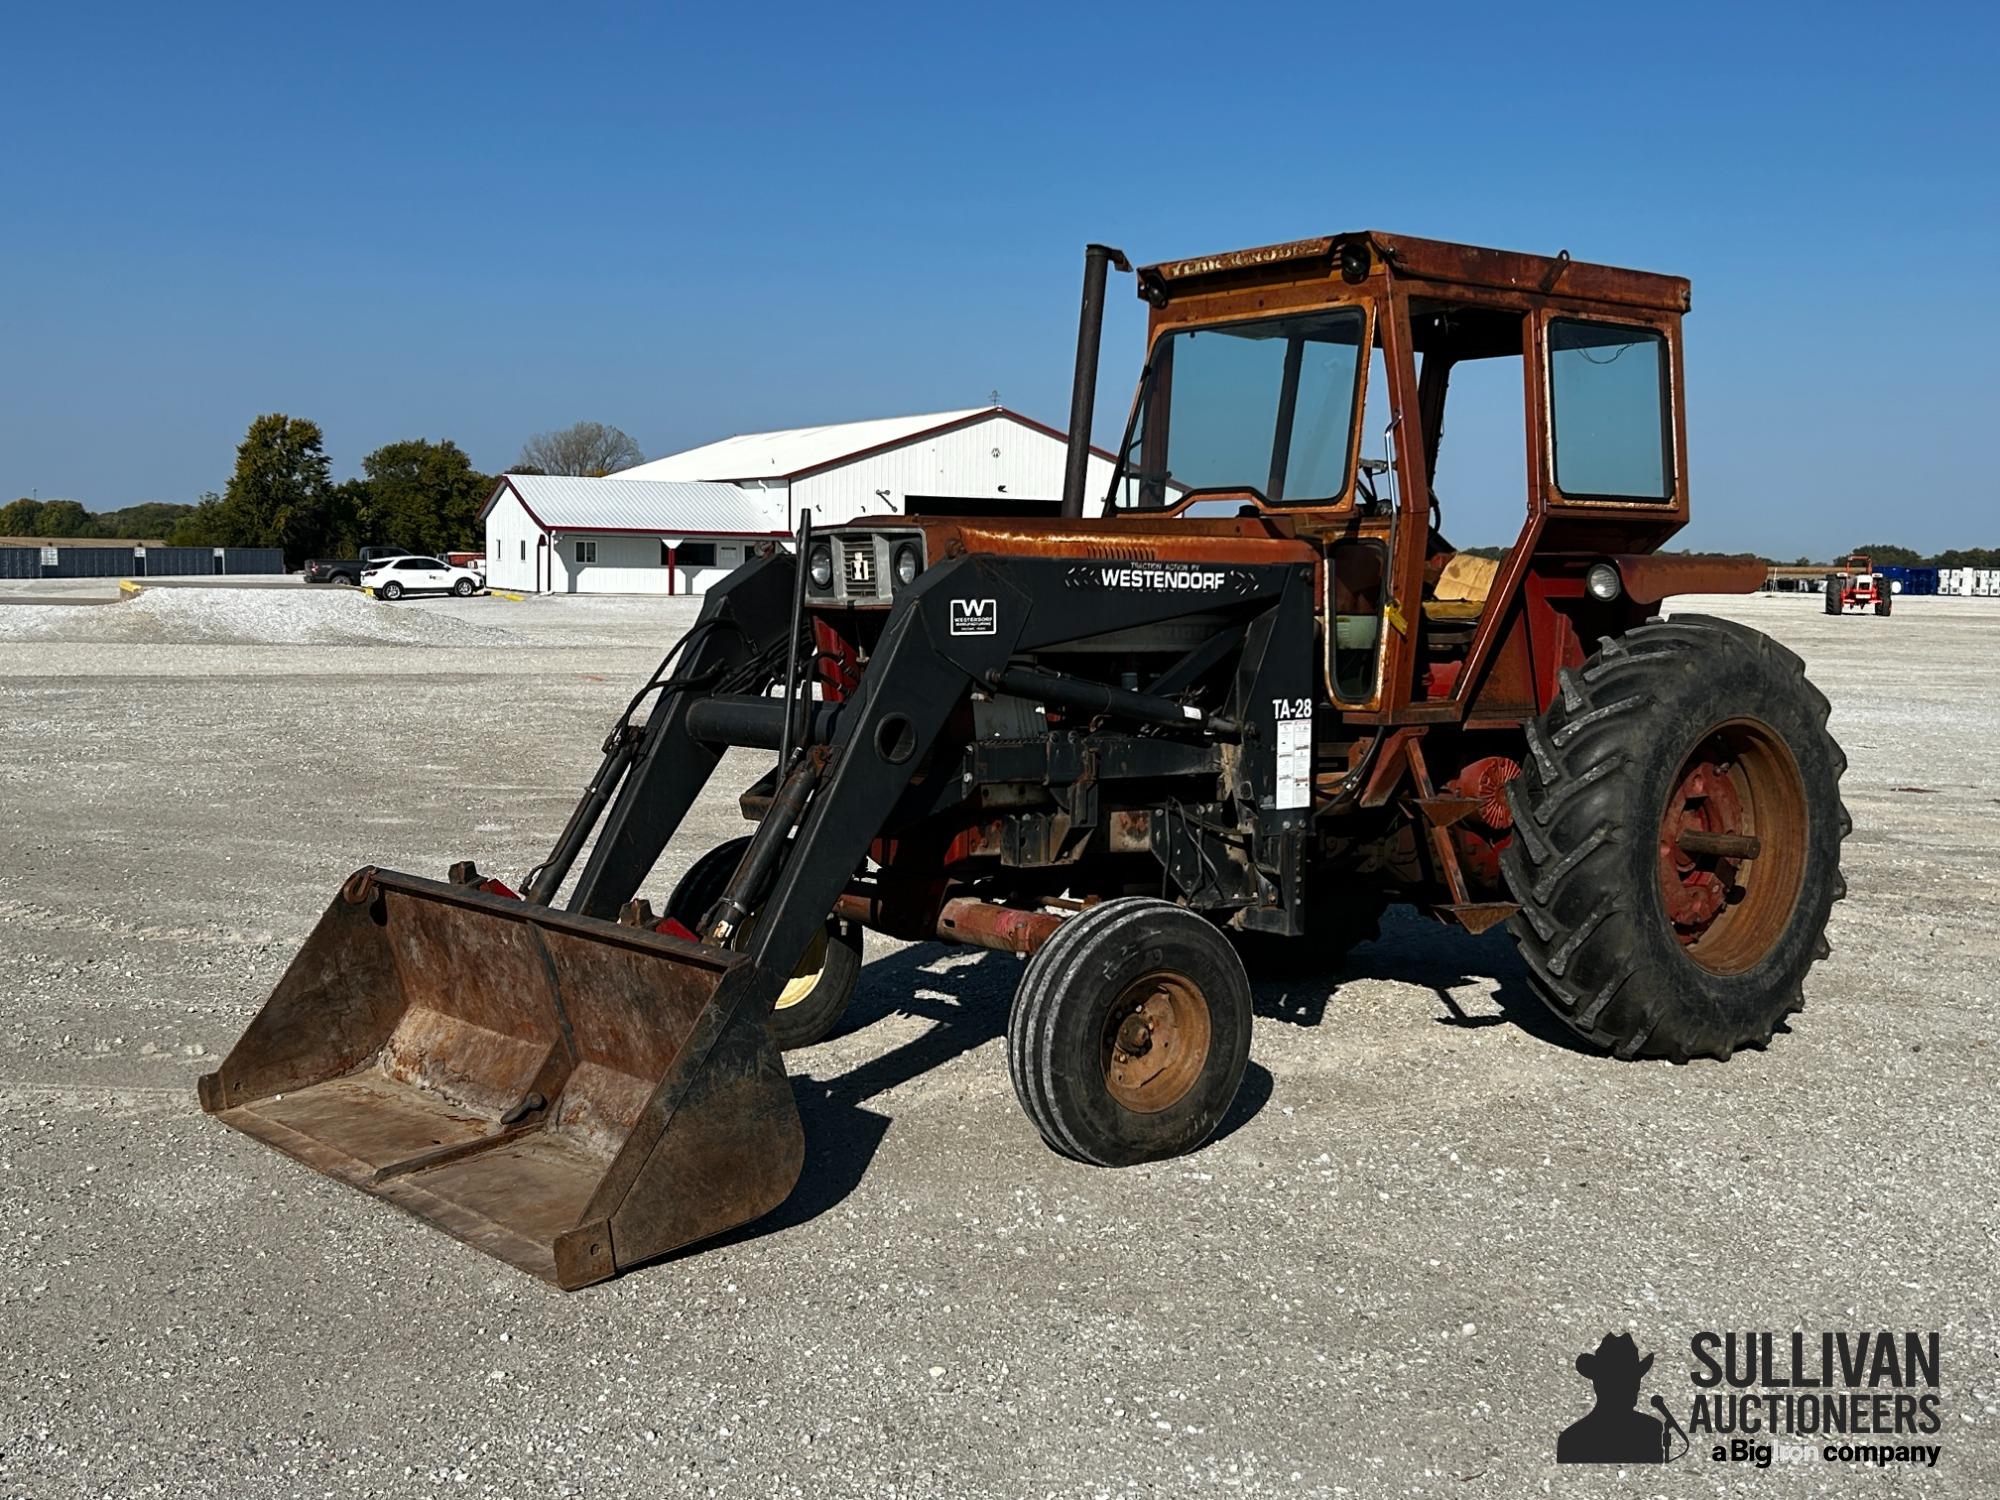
(571, 1095)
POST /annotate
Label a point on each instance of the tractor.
(1155, 740)
(1858, 588)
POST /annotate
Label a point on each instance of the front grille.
(857, 568)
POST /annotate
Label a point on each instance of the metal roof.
(562, 503)
(797, 450)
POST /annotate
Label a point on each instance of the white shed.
(550, 534)
(854, 469)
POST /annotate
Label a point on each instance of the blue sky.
(477, 222)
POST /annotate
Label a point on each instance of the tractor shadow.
(1414, 949)
(966, 997)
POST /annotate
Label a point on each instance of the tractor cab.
(1307, 387)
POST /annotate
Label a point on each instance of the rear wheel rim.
(1727, 910)
(1155, 1041)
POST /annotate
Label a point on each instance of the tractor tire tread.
(1579, 924)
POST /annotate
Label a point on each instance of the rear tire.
(1647, 946)
(1882, 605)
(1130, 1033)
(392, 590)
(815, 998)
(1832, 597)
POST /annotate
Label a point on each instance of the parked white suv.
(420, 575)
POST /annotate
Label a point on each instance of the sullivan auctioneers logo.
(1759, 1398)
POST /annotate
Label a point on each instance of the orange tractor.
(1215, 716)
(1859, 588)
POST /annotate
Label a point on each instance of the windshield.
(1267, 406)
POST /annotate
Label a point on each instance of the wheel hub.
(1698, 885)
(1732, 843)
(1156, 1039)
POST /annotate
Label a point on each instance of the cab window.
(1266, 406)
(1608, 404)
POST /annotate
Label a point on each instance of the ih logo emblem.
(974, 617)
(860, 567)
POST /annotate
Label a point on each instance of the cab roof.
(1353, 255)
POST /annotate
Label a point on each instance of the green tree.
(21, 517)
(424, 495)
(63, 518)
(1887, 555)
(150, 518)
(201, 526)
(349, 527)
(278, 495)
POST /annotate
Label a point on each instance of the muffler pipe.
(1097, 261)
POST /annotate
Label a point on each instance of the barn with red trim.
(677, 524)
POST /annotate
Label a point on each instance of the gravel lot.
(1374, 1283)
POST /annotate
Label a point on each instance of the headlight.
(908, 564)
(820, 567)
(1603, 582)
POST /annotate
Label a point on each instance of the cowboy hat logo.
(1613, 1431)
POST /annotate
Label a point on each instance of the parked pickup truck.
(349, 569)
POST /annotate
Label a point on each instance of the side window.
(1608, 404)
(411, 564)
(524, 549)
(697, 554)
(586, 552)
(1355, 583)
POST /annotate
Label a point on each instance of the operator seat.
(1461, 588)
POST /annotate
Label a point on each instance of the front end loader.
(1213, 728)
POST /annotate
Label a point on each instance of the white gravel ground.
(1374, 1283)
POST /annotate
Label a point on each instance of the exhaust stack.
(1097, 261)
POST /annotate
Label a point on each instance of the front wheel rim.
(1732, 846)
(1155, 1042)
(805, 977)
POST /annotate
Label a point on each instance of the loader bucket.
(571, 1095)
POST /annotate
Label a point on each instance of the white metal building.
(678, 524)
(548, 534)
(855, 469)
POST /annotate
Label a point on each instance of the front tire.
(1677, 840)
(1130, 1033)
(815, 997)
(463, 588)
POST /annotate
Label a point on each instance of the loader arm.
(744, 619)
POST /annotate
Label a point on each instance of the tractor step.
(1476, 916)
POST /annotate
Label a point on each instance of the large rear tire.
(1677, 840)
(1130, 1033)
(815, 997)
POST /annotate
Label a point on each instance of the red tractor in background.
(1857, 588)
